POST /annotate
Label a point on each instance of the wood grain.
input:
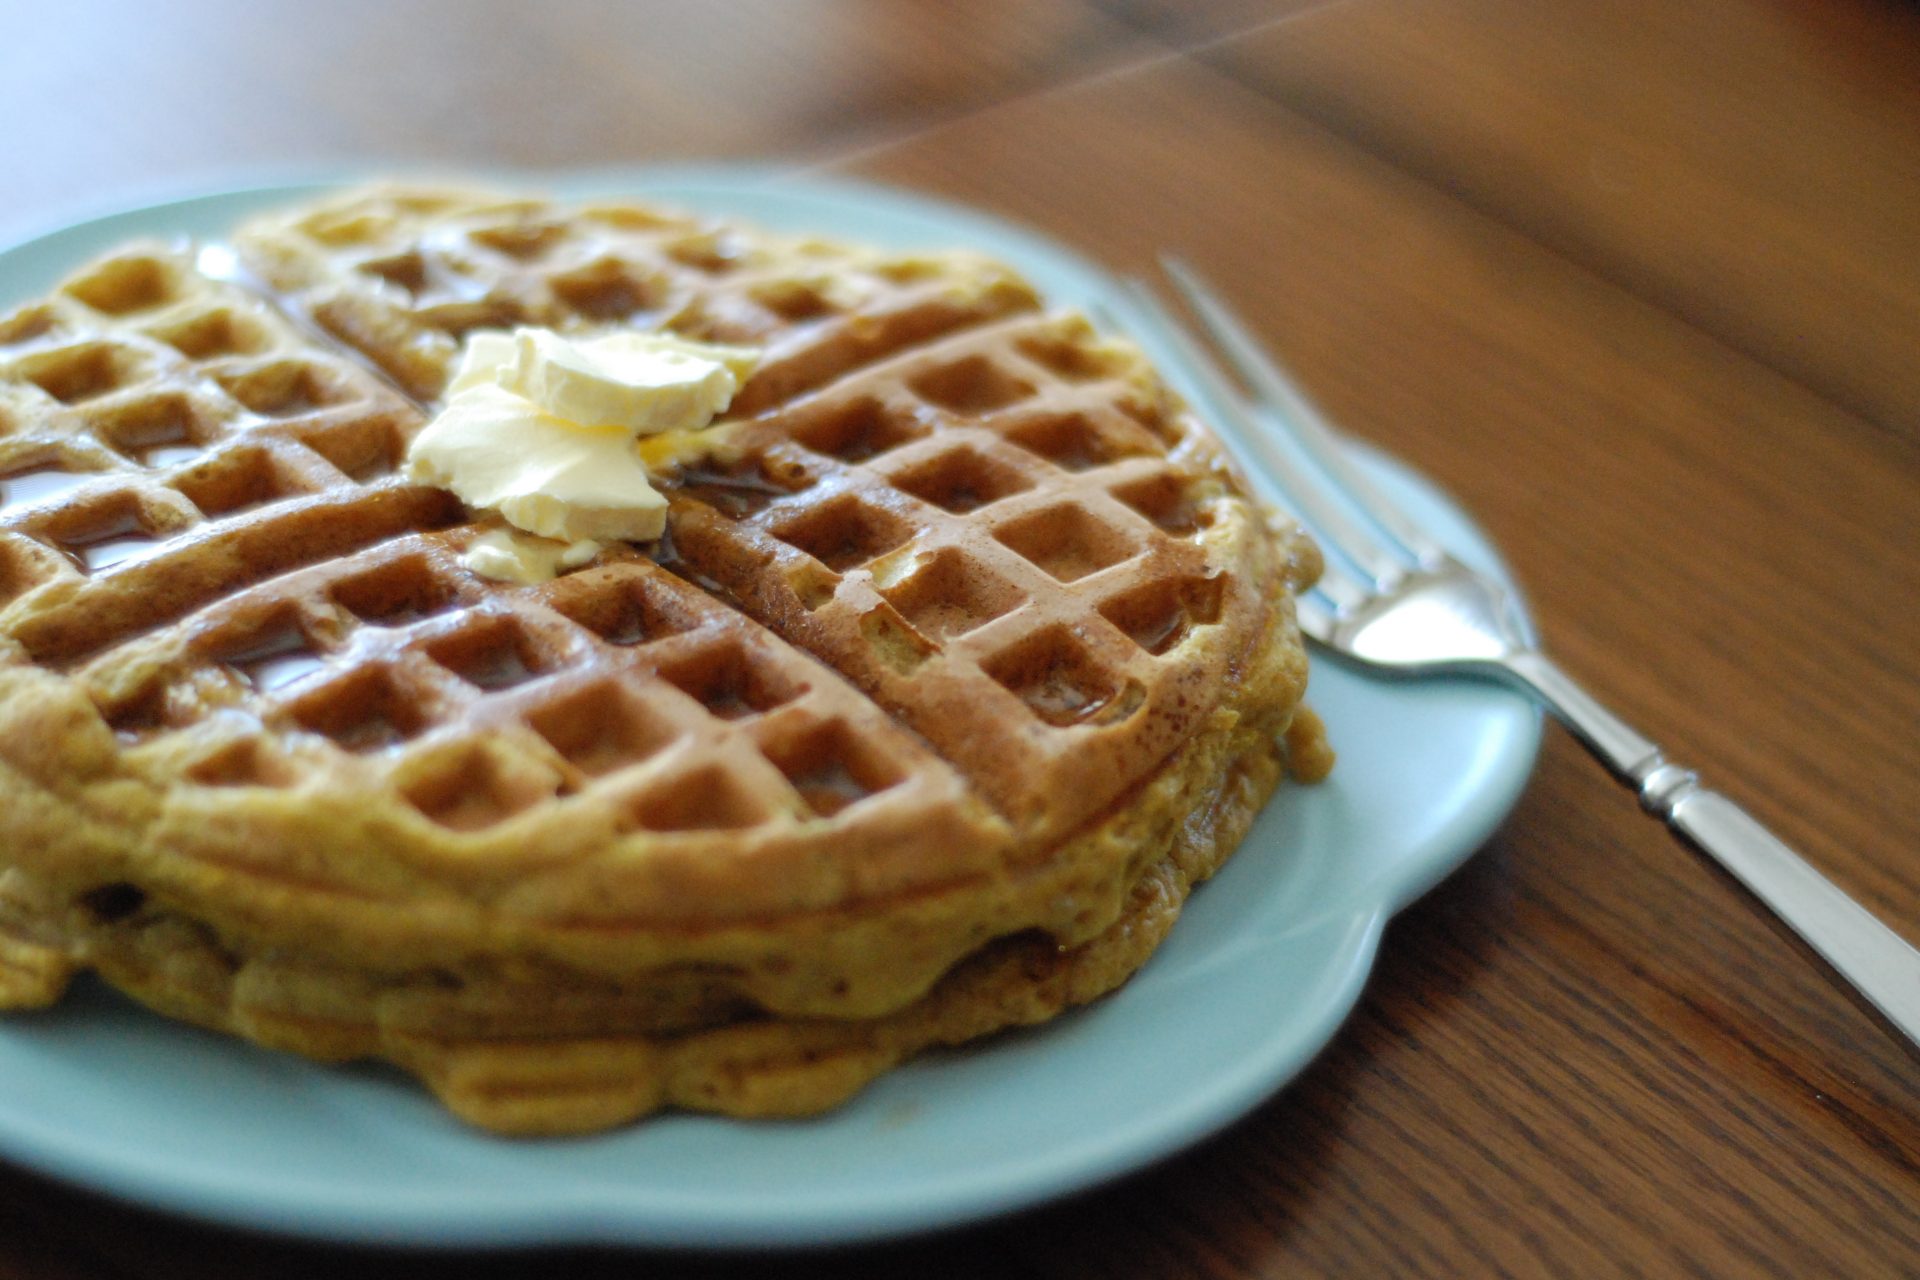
(1586, 1054)
(1753, 165)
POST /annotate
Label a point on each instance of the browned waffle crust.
(963, 658)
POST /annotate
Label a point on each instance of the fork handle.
(1881, 965)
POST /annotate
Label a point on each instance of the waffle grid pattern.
(169, 410)
(619, 687)
(405, 275)
(971, 510)
(145, 413)
(952, 627)
(989, 529)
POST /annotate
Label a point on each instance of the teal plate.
(1267, 961)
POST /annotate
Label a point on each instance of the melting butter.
(505, 556)
(547, 430)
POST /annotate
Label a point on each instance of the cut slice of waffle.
(964, 648)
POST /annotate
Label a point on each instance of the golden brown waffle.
(961, 660)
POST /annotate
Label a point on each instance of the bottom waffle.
(561, 1055)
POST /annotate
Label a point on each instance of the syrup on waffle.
(960, 662)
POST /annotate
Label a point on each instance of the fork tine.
(1315, 618)
(1310, 428)
(1378, 569)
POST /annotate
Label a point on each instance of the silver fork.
(1395, 600)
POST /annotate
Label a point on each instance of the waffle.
(964, 657)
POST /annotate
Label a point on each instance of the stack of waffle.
(958, 665)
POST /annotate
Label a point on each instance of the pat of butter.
(545, 429)
(629, 380)
(505, 556)
(646, 382)
(481, 359)
(544, 474)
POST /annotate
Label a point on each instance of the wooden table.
(1638, 281)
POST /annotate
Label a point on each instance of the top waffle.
(962, 583)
